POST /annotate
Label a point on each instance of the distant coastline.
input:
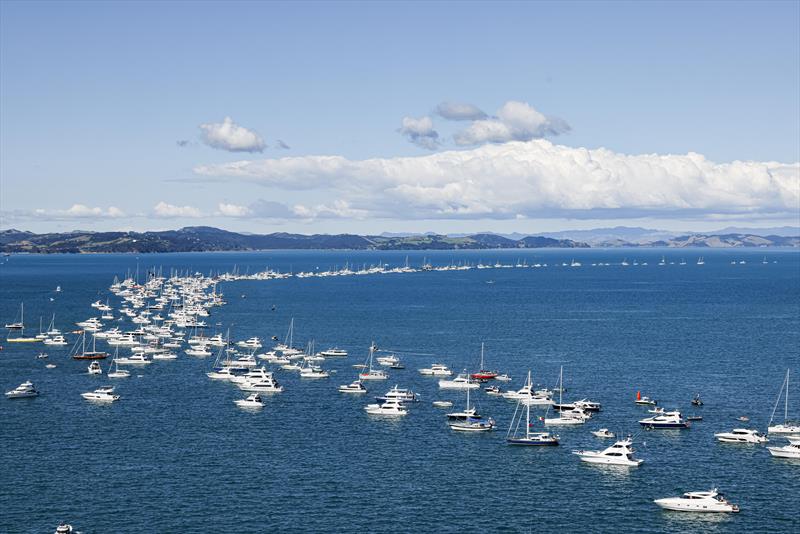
(208, 239)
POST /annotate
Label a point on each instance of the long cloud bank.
(532, 179)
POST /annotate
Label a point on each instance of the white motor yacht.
(698, 501)
(138, 358)
(792, 450)
(461, 382)
(396, 393)
(55, 341)
(252, 401)
(64, 528)
(392, 408)
(741, 435)
(23, 391)
(334, 353)
(199, 351)
(313, 371)
(221, 373)
(388, 361)
(620, 453)
(248, 360)
(353, 387)
(503, 377)
(665, 419)
(568, 417)
(103, 394)
(603, 433)
(95, 369)
(164, 355)
(437, 369)
(252, 343)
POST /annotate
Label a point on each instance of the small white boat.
(334, 353)
(55, 340)
(95, 369)
(388, 361)
(620, 453)
(222, 373)
(63, 528)
(313, 371)
(472, 425)
(665, 419)
(391, 408)
(792, 450)
(50, 366)
(437, 369)
(199, 351)
(603, 433)
(252, 401)
(461, 382)
(353, 387)
(442, 404)
(503, 378)
(644, 400)
(103, 394)
(396, 393)
(23, 391)
(493, 391)
(137, 358)
(698, 501)
(741, 435)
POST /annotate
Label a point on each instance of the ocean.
(176, 455)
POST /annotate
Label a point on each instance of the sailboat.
(471, 424)
(21, 327)
(529, 438)
(483, 373)
(93, 354)
(701, 261)
(117, 372)
(575, 416)
(786, 427)
(370, 373)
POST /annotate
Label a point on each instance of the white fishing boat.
(787, 427)
(56, 340)
(741, 435)
(603, 433)
(95, 369)
(103, 394)
(23, 391)
(461, 382)
(437, 369)
(391, 408)
(698, 501)
(620, 453)
(252, 401)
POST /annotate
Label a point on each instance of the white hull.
(600, 460)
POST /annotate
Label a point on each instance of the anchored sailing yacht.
(786, 427)
(470, 423)
(370, 373)
(529, 438)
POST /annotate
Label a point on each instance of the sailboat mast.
(786, 399)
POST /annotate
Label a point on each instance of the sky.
(365, 117)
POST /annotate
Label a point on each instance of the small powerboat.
(23, 391)
(503, 378)
(697, 401)
(698, 501)
(252, 401)
(64, 528)
(493, 390)
(334, 353)
(664, 420)
(94, 368)
(442, 404)
(437, 369)
(603, 433)
(644, 400)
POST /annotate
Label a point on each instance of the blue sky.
(95, 98)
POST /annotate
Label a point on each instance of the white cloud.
(455, 111)
(420, 132)
(536, 179)
(168, 211)
(80, 211)
(515, 121)
(232, 210)
(229, 136)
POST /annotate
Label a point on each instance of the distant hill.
(205, 238)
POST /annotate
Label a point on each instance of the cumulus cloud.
(515, 121)
(227, 135)
(168, 211)
(80, 211)
(530, 179)
(233, 210)
(420, 132)
(454, 111)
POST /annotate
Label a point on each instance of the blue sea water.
(176, 455)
